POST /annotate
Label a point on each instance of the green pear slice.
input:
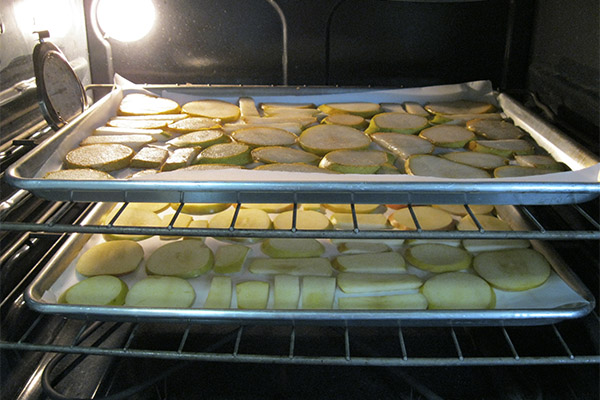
(451, 136)
(318, 292)
(409, 301)
(203, 138)
(230, 258)
(397, 122)
(180, 158)
(415, 108)
(363, 109)
(252, 294)
(392, 107)
(133, 141)
(438, 258)
(495, 129)
(183, 258)
(293, 127)
(303, 121)
(264, 136)
(538, 161)
(216, 109)
(459, 107)
(478, 160)
(286, 292)
(219, 293)
(132, 217)
(487, 222)
(161, 291)
(512, 171)
(292, 247)
(225, 153)
(294, 167)
(351, 120)
(513, 269)
(78, 174)
(429, 218)
(143, 104)
(104, 157)
(149, 157)
(504, 147)
(99, 290)
(321, 139)
(247, 218)
(193, 124)
(281, 154)
(359, 247)
(318, 266)
(429, 165)
(182, 221)
(458, 290)
(345, 221)
(305, 219)
(354, 161)
(387, 262)
(350, 282)
(402, 146)
(479, 245)
(462, 119)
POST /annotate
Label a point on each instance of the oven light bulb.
(126, 21)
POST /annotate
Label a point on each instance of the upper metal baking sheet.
(578, 185)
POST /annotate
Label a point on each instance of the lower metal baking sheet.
(563, 296)
(578, 185)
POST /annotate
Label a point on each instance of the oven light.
(42, 15)
(125, 21)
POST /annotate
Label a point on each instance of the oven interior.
(529, 49)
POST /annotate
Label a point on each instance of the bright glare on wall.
(126, 21)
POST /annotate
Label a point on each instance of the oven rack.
(586, 226)
(319, 345)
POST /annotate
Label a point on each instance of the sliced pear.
(143, 104)
(180, 158)
(386, 262)
(270, 207)
(358, 208)
(293, 127)
(252, 294)
(183, 258)
(321, 139)
(318, 266)
(102, 157)
(78, 174)
(447, 242)
(415, 108)
(292, 247)
(161, 291)
(458, 290)
(99, 290)
(182, 221)
(203, 138)
(197, 223)
(230, 258)
(193, 124)
(351, 120)
(438, 257)
(281, 154)
(290, 112)
(487, 222)
(225, 153)
(132, 217)
(504, 148)
(539, 161)
(428, 165)
(429, 218)
(211, 167)
(137, 123)
(247, 218)
(345, 221)
(450, 136)
(305, 219)
(495, 129)
(294, 167)
(392, 107)
(286, 292)
(513, 269)
(512, 171)
(359, 246)
(248, 107)
(149, 157)
(219, 293)
(350, 282)
(397, 122)
(402, 146)
(363, 109)
(201, 208)
(303, 121)
(215, 109)
(264, 136)
(354, 161)
(318, 292)
(152, 117)
(141, 174)
(459, 107)
(153, 207)
(479, 245)
(459, 209)
(133, 141)
(479, 160)
(461, 119)
(275, 104)
(410, 301)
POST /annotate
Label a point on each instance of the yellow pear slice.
(102, 157)
(201, 208)
(286, 292)
(318, 292)
(459, 107)
(351, 120)
(410, 301)
(354, 161)
(225, 153)
(459, 209)
(264, 136)
(247, 218)
(539, 161)
(397, 122)
(415, 108)
(293, 127)
(512, 269)
(281, 154)
(429, 218)
(78, 174)
(182, 221)
(402, 146)
(438, 258)
(458, 290)
(133, 141)
(318, 266)
(193, 124)
(153, 207)
(450, 136)
(149, 157)
(512, 171)
(359, 246)
(495, 129)
(100, 290)
(215, 109)
(358, 208)
(252, 294)
(132, 217)
(478, 160)
(183, 258)
(479, 245)
(229, 259)
(219, 293)
(350, 282)
(294, 167)
(305, 219)
(180, 158)
(429, 165)
(504, 147)
(270, 207)
(363, 109)
(387, 262)
(143, 104)
(487, 222)
(161, 291)
(345, 221)
(321, 139)
(203, 138)
(303, 121)
(292, 247)
(122, 122)
(248, 107)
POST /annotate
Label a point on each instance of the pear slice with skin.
(252, 294)
(345, 221)
(318, 266)
(281, 154)
(292, 247)
(415, 108)
(363, 109)
(143, 104)
(305, 219)
(429, 218)
(219, 293)
(225, 153)
(387, 262)
(248, 107)
(459, 209)
(318, 292)
(354, 161)
(201, 208)
(286, 292)
(104, 157)
(230, 258)
(512, 171)
(409, 301)
(99, 290)
(270, 207)
(504, 147)
(321, 139)
(539, 161)
(216, 109)
(462, 119)
(429, 165)
(459, 107)
(193, 124)
(358, 247)
(397, 122)
(264, 136)
(358, 208)
(458, 291)
(487, 222)
(203, 138)
(161, 291)
(351, 120)
(350, 282)
(183, 258)
(438, 258)
(450, 136)
(180, 158)
(293, 127)
(132, 217)
(182, 221)
(402, 146)
(485, 161)
(294, 167)
(495, 129)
